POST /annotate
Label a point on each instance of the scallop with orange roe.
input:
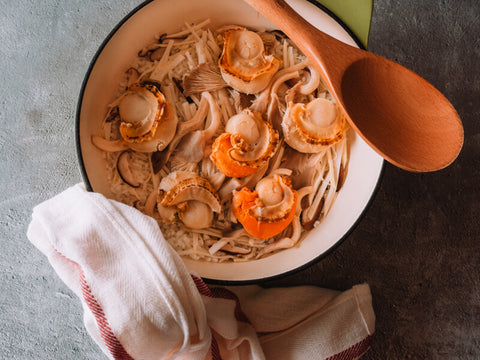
(247, 144)
(269, 209)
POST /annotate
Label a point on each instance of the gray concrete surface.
(418, 245)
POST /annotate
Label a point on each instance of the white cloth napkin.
(141, 302)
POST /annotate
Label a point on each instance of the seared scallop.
(190, 196)
(148, 120)
(243, 63)
(309, 128)
(269, 209)
(248, 143)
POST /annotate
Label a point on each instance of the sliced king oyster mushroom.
(148, 120)
(309, 128)
(192, 196)
(193, 145)
(243, 63)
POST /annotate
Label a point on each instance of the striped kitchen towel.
(141, 302)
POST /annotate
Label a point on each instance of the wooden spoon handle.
(283, 16)
(328, 54)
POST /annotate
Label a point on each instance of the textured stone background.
(418, 245)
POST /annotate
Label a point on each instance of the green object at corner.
(356, 14)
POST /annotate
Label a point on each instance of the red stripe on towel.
(215, 350)
(354, 351)
(203, 289)
(220, 293)
(225, 294)
(116, 349)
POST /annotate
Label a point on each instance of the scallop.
(243, 63)
(311, 127)
(248, 143)
(148, 120)
(190, 196)
(269, 209)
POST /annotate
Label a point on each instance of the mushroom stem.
(193, 145)
(109, 145)
(286, 242)
(183, 128)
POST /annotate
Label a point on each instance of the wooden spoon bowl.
(397, 112)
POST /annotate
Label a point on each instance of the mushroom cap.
(243, 63)
(205, 77)
(124, 169)
(309, 128)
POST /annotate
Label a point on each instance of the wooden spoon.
(398, 113)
